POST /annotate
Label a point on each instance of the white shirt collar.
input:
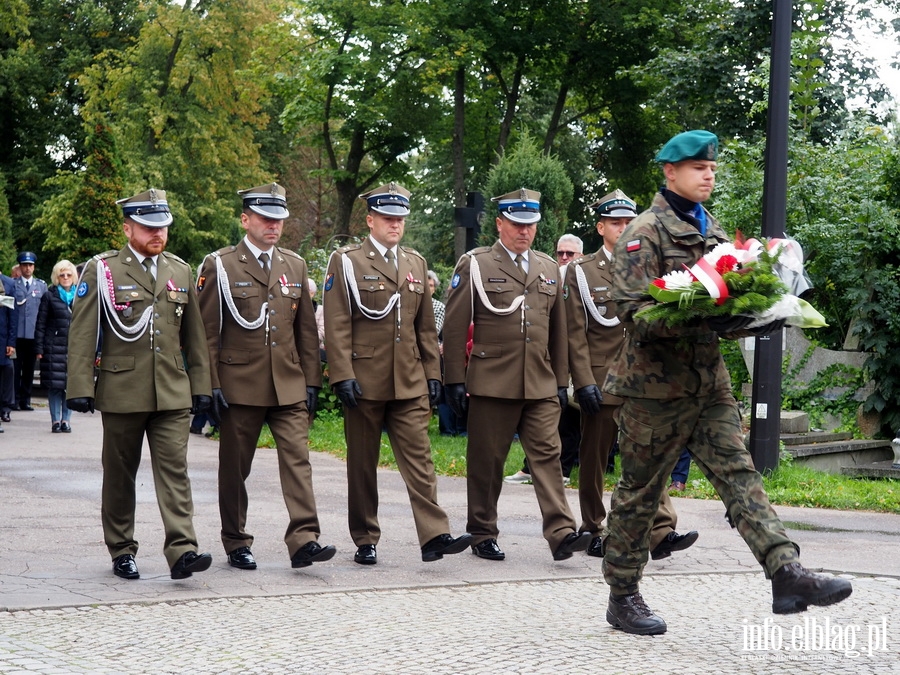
(255, 250)
(607, 252)
(512, 255)
(381, 248)
(140, 258)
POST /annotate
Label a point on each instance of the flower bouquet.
(744, 277)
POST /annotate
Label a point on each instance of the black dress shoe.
(312, 552)
(794, 588)
(242, 558)
(597, 547)
(629, 613)
(4, 417)
(125, 567)
(488, 550)
(444, 544)
(65, 428)
(365, 555)
(674, 542)
(26, 406)
(574, 541)
(189, 563)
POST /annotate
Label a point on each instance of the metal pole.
(765, 421)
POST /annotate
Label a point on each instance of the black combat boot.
(794, 588)
(629, 613)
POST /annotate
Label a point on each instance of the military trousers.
(492, 424)
(238, 439)
(598, 435)
(653, 435)
(167, 437)
(406, 422)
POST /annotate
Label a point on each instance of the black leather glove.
(200, 404)
(434, 392)
(562, 393)
(456, 398)
(769, 328)
(347, 391)
(312, 400)
(729, 324)
(217, 406)
(81, 404)
(589, 399)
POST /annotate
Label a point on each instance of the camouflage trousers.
(653, 434)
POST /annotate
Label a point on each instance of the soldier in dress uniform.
(136, 325)
(384, 364)
(264, 350)
(517, 375)
(595, 337)
(677, 393)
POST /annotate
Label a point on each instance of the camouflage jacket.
(658, 362)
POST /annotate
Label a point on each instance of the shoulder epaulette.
(289, 252)
(105, 254)
(349, 247)
(480, 249)
(225, 250)
(541, 254)
(412, 251)
(587, 257)
(174, 257)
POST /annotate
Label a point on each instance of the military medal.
(179, 311)
(127, 312)
(412, 282)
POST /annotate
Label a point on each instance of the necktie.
(389, 256)
(148, 265)
(264, 262)
(520, 266)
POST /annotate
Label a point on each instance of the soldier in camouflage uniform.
(595, 337)
(677, 393)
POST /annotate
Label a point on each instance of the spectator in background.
(7, 346)
(449, 424)
(320, 315)
(29, 290)
(51, 340)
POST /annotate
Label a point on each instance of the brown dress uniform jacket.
(138, 376)
(391, 358)
(522, 356)
(253, 367)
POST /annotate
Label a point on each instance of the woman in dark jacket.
(51, 337)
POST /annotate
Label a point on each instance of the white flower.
(678, 279)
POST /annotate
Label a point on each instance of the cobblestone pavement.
(717, 623)
(62, 611)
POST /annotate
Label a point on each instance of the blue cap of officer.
(26, 257)
(521, 206)
(388, 200)
(148, 208)
(269, 201)
(696, 144)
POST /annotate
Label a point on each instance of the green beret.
(696, 144)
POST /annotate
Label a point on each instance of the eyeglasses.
(566, 254)
(65, 274)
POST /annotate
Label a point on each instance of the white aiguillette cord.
(136, 330)
(589, 307)
(353, 291)
(517, 303)
(225, 292)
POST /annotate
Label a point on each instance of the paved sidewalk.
(64, 611)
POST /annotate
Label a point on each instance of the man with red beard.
(139, 308)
